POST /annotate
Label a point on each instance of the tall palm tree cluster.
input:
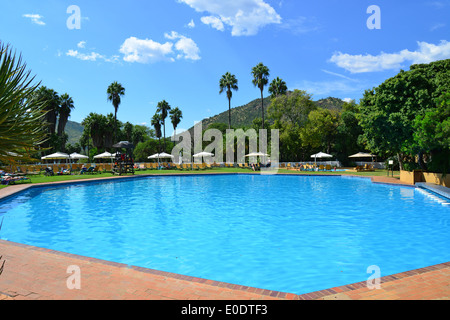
(260, 74)
(58, 109)
(158, 121)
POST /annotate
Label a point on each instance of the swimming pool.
(286, 233)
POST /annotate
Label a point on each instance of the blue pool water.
(287, 233)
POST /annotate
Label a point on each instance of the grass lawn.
(43, 179)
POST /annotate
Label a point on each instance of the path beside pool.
(32, 273)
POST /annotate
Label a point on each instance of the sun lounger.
(49, 172)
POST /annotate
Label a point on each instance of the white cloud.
(93, 56)
(145, 51)
(172, 36)
(189, 49)
(149, 51)
(191, 24)
(300, 25)
(35, 18)
(81, 44)
(338, 75)
(214, 22)
(426, 53)
(437, 26)
(348, 100)
(245, 17)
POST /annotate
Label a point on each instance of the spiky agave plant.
(22, 128)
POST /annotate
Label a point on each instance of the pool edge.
(270, 294)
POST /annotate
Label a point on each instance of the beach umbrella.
(321, 155)
(203, 155)
(362, 155)
(161, 156)
(104, 155)
(56, 156)
(124, 144)
(257, 154)
(78, 156)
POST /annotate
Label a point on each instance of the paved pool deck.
(32, 273)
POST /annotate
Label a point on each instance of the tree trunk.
(115, 126)
(262, 108)
(422, 163)
(400, 160)
(229, 113)
(164, 124)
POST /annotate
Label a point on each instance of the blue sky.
(177, 50)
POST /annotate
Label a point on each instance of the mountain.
(331, 103)
(243, 116)
(74, 130)
(240, 116)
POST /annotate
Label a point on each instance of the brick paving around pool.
(32, 273)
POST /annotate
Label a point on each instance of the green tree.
(260, 79)
(128, 128)
(432, 135)
(66, 108)
(141, 133)
(257, 124)
(388, 111)
(321, 129)
(163, 108)
(277, 87)
(175, 117)
(73, 148)
(143, 149)
(294, 107)
(290, 115)
(348, 137)
(21, 114)
(95, 127)
(109, 131)
(228, 82)
(156, 123)
(51, 100)
(114, 93)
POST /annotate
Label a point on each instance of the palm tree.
(260, 79)
(163, 108)
(21, 115)
(175, 116)
(228, 82)
(128, 130)
(52, 104)
(66, 106)
(114, 92)
(277, 87)
(156, 123)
